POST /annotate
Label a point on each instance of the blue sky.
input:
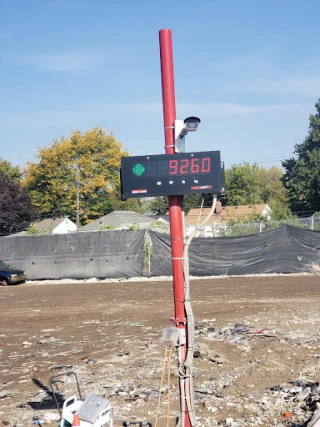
(248, 68)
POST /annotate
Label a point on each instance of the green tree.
(274, 193)
(243, 184)
(271, 185)
(13, 172)
(129, 205)
(159, 205)
(17, 211)
(193, 201)
(302, 174)
(89, 160)
(251, 184)
(279, 210)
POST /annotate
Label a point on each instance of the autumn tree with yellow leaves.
(87, 162)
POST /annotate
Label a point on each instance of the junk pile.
(244, 374)
(298, 401)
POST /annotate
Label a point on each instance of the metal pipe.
(175, 202)
(77, 195)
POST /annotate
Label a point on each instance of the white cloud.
(140, 111)
(226, 109)
(72, 118)
(255, 57)
(294, 85)
(260, 72)
(69, 61)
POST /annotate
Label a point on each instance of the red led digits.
(205, 165)
(190, 166)
(173, 165)
(184, 166)
(195, 168)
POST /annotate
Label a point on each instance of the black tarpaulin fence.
(120, 254)
(282, 250)
(107, 254)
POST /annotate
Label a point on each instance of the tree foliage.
(193, 201)
(243, 184)
(17, 211)
(302, 174)
(159, 205)
(13, 172)
(91, 159)
(251, 184)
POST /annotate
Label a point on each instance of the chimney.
(218, 207)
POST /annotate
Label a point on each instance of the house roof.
(43, 226)
(48, 224)
(117, 218)
(225, 214)
(159, 217)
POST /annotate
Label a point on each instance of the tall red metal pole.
(175, 202)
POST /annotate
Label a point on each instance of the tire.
(3, 281)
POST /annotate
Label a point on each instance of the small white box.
(173, 336)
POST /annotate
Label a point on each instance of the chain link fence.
(242, 229)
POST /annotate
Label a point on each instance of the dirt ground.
(110, 335)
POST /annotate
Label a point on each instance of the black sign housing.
(171, 174)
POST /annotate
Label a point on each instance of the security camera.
(181, 129)
(191, 123)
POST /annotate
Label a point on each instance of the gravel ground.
(257, 348)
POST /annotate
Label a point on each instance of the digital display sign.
(176, 167)
(172, 174)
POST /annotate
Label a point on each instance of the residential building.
(120, 220)
(223, 216)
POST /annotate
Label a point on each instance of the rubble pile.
(257, 363)
(217, 394)
(298, 400)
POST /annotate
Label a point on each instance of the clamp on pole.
(179, 320)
